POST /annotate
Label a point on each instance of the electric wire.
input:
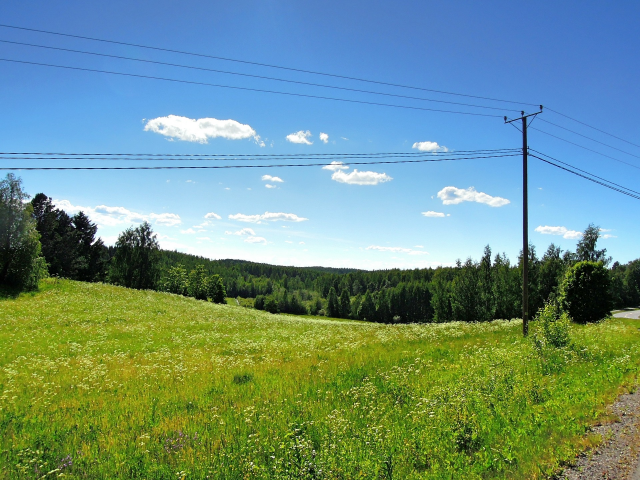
(592, 127)
(207, 167)
(231, 157)
(246, 62)
(589, 138)
(585, 148)
(607, 185)
(191, 82)
(262, 77)
(584, 171)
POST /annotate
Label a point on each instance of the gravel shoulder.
(617, 456)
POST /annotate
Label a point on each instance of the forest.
(64, 246)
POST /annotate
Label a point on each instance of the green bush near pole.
(585, 292)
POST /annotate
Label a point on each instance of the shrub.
(553, 325)
(585, 292)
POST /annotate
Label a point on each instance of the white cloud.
(268, 185)
(211, 215)
(206, 239)
(188, 231)
(261, 240)
(335, 166)
(106, 216)
(301, 243)
(324, 137)
(360, 178)
(288, 241)
(397, 250)
(429, 147)
(200, 130)
(267, 216)
(269, 178)
(345, 139)
(418, 246)
(564, 231)
(433, 214)
(453, 196)
(608, 235)
(244, 231)
(300, 137)
(355, 177)
(168, 219)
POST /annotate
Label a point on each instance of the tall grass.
(98, 381)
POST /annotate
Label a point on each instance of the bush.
(585, 292)
(553, 325)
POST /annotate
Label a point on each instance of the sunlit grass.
(98, 381)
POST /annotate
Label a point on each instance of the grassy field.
(98, 381)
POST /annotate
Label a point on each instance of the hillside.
(99, 381)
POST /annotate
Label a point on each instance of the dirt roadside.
(617, 457)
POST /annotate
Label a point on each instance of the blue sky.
(574, 57)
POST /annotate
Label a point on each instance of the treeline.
(36, 238)
(490, 288)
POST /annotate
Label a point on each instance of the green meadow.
(98, 381)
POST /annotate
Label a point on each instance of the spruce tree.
(367, 310)
(333, 306)
(345, 304)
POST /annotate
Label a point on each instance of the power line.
(345, 77)
(637, 197)
(594, 128)
(263, 77)
(207, 167)
(231, 157)
(247, 88)
(584, 171)
(589, 138)
(585, 148)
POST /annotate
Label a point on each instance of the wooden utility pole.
(525, 219)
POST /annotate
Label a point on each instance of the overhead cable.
(584, 171)
(589, 138)
(592, 127)
(246, 62)
(585, 148)
(262, 77)
(586, 177)
(231, 157)
(248, 88)
(208, 167)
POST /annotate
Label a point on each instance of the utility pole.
(525, 217)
